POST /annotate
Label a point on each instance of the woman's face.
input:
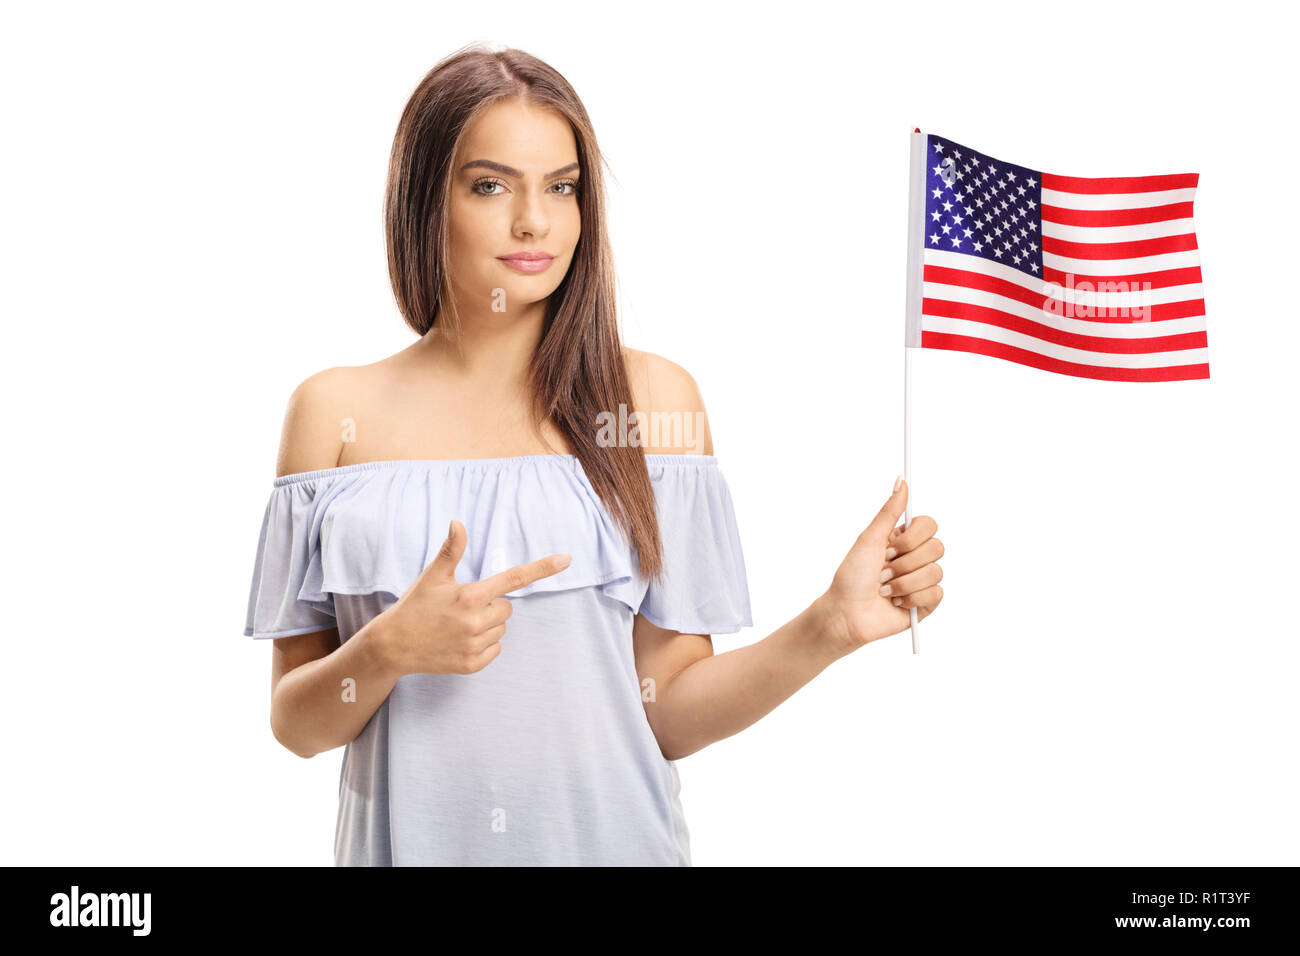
(514, 189)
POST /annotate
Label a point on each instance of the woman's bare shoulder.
(312, 435)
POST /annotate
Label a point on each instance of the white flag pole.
(912, 337)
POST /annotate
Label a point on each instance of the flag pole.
(912, 326)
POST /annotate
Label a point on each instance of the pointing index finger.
(521, 575)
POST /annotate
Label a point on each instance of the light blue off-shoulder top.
(545, 756)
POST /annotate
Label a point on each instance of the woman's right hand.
(442, 627)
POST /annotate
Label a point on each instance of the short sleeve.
(704, 589)
(285, 598)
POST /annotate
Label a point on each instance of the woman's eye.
(482, 187)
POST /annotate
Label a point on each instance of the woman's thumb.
(888, 516)
(443, 567)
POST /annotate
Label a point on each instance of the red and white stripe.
(1132, 230)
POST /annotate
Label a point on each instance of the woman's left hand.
(887, 571)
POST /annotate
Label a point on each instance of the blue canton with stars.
(983, 207)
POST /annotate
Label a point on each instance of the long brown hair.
(577, 371)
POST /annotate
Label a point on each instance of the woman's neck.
(493, 347)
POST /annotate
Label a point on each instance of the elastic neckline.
(565, 458)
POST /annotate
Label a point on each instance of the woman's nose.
(531, 217)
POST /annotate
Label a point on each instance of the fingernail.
(891, 553)
(451, 528)
(898, 602)
(563, 561)
(898, 482)
(884, 590)
(886, 574)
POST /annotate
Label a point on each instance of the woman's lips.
(528, 262)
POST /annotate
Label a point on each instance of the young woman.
(500, 605)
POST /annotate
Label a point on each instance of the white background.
(192, 225)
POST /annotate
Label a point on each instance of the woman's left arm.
(693, 697)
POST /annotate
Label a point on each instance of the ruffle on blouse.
(373, 527)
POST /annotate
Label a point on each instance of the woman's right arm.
(323, 693)
(314, 705)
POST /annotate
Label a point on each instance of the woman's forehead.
(532, 140)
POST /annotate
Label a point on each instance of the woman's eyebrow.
(511, 171)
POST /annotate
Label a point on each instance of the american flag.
(1096, 278)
